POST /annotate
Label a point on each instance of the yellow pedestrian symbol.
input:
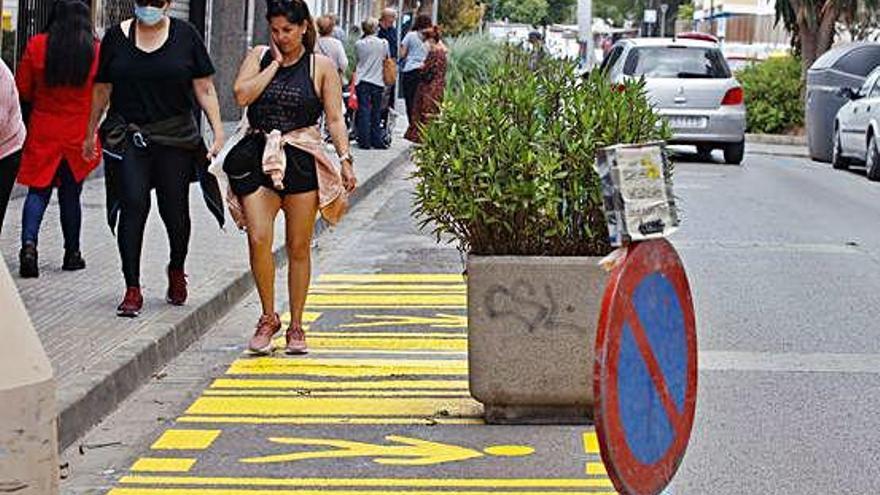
(409, 451)
(439, 320)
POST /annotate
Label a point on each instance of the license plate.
(688, 122)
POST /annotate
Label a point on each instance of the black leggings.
(168, 170)
(8, 172)
(410, 82)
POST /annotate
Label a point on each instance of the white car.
(688, 82)
(856, 127)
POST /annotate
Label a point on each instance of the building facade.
(740, 21)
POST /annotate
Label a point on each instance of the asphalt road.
(782, 259)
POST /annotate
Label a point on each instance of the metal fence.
(32, 18)
(111, 12)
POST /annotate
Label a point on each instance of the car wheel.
(872, 160)
(838, 162)
(734, 153)
(704, 152)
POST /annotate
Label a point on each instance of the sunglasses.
(151, 3)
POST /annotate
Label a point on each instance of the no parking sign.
(645, 377)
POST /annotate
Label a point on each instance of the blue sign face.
(652, 369)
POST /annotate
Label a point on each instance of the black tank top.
(289, 102)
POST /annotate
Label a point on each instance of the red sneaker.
(267, 327)
(296, 341)
(131, 304)
(176, 294)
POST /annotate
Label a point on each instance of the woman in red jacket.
(55, 76)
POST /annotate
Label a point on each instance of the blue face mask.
(149, 15)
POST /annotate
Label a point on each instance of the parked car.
(845, 66)
(690, 83)
(856, 127)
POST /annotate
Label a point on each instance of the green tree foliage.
(773, 95)
(532, 12)
(460, 16)
(470, 61)
(561, 11)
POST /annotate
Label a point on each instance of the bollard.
(28, 424)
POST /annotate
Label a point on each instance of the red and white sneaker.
(296, 341)
(261, 342)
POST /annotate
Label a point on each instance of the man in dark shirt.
(388, 32)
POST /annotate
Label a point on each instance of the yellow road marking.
(346, 393)
(396, 335)
(341, 304)
(238, 491)
(186, 439)
(321, 406)
(375, 343)
(391, 277)
(390, 287)
(308, 317)
(591, 443)
(240, 383)
(340, 420)
(439, 320)
(596, 469)
(348, 367)
(380, 352)
(408, 451)
(163, 465)
(373, 482)
(393, 300)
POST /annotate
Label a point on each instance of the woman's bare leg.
(300, 211)
(260, 209)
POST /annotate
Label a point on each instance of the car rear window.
(676, 62)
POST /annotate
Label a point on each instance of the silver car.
(856, 127)
(690, 83)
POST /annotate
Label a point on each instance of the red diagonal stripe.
(654, 369)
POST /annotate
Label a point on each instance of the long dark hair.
(296, 12)
(70, 51)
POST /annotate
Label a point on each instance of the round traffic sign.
(645, 376)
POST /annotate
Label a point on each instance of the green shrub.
(773, 95)
(507, 166)
(470, 60)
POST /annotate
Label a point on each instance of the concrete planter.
(531, 330)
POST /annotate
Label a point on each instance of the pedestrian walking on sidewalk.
(429, 95)
(12, 136)
(414, 52)
(371, 54)
(55, 78)
(152, 70)
(279, 162)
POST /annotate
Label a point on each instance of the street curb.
(776, 139)
(804, 153)
(97, 392)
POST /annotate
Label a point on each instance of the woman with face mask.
(55, 77)
(152, 71)
(279, 163)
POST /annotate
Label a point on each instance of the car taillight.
(734, 96)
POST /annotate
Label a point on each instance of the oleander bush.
(507, 166)
(773, 91)
(470, 61)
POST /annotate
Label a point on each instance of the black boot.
(73, 261)
(27, 258)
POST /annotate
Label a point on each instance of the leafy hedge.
(470, 60)
(773, 91)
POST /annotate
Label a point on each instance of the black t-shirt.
(150, 87)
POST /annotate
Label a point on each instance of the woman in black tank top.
(286, 87)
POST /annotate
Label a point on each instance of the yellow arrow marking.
(439, 320)
(412, 452)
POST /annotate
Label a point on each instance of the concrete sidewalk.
(98, 358)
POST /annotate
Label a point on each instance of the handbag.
(246, 156)
(389, 71)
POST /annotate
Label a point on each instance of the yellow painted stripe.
(373, 482)
(241, 491)
(390, 344)
(341, 305)
(396, 335)
(379, 352)
(239, 383)
(391, 277)
(346, 393)
(394, 300)
(346, 293)
(346, 420)
(186, 439)
(596, 469)
(320, 406)
(348, 367)
(591, 443)
(163, 465)
(390, 287)
(308, 316)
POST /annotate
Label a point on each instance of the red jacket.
(58, 121)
